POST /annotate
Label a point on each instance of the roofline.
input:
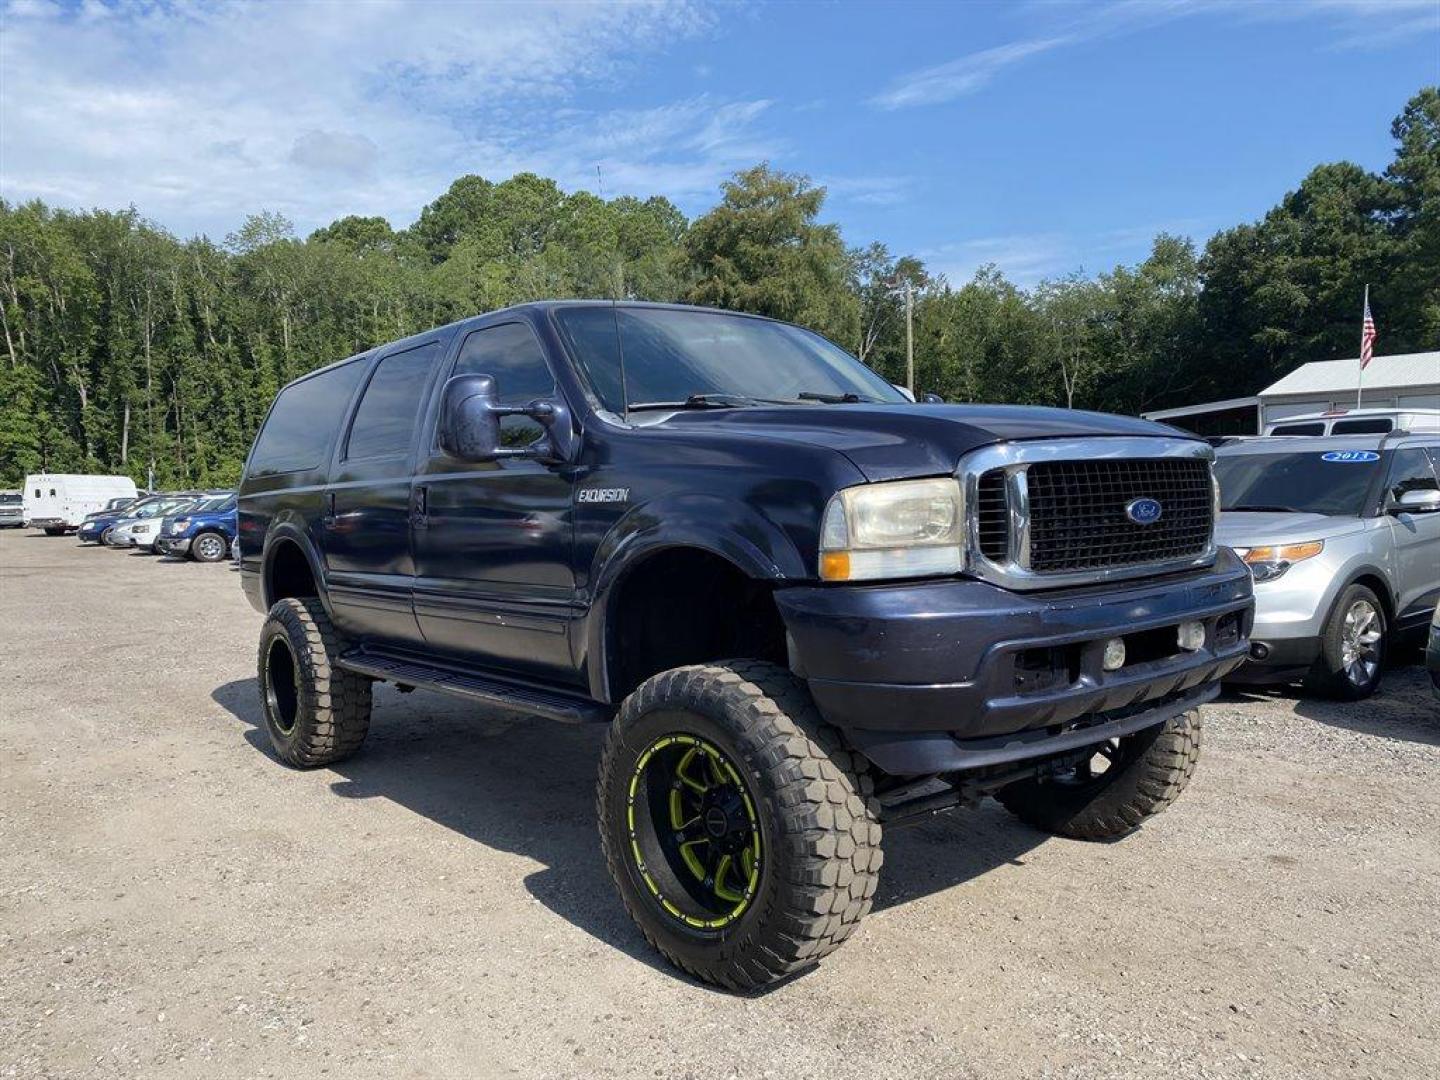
(1206, 407)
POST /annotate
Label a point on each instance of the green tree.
(764, 250)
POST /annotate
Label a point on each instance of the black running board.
(566, 708)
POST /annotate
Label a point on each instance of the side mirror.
(470, 415)
(933, 399)
(1418, 501)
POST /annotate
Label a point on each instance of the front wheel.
(208, 547)
(742, 836)
(1352, 648)
(1112, 790)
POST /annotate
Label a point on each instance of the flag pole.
(1360, 379)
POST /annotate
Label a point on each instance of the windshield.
(1313, 482)
(214, 502)
(159, 506)
(674, 355)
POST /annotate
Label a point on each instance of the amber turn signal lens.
(835, 566)
(1286, 553)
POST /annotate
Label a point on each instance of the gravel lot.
(175, 903)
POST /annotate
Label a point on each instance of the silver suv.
(1342, 535)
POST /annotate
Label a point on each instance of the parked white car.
(143, 527)
(58, 502)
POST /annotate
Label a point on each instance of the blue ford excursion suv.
(807, 607)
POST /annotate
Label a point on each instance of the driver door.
(494, 581)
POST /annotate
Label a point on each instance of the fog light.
(1114, 654)
(1191, 636)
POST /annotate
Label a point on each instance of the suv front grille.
(1078, 517)
(993, 516)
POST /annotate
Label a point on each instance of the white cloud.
(945, 82)
(201, 112)
(1026, 259)
(1357, 24)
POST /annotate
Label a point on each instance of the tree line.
(130, 350)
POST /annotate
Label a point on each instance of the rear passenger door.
(1416, 537)
(494, 582)
(365, 520)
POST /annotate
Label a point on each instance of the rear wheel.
(743, 837)
(1113, 790)
(315, 712)
(1352, 647)
(208, 547)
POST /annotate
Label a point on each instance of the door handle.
(328, 520)
(420, 507)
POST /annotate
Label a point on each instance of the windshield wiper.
(698, 401)
(848, 398)
(1259, 508)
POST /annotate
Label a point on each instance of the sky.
(1045, 137)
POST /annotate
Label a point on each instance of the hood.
(891, 442)
(1244, 528)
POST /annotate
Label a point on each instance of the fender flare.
(726, 528)
(289, 528)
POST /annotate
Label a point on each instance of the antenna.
(615, 284)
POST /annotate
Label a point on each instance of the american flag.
(1367, 335)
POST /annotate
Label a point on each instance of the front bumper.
(173, 545)
(915, 673)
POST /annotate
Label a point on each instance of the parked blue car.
(202, 530)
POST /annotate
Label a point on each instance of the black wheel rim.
(282, 685)
(695, 836)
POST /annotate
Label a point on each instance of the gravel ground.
(175, 903)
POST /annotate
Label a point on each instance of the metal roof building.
(1405, 380)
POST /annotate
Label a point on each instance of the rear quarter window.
(303, 420)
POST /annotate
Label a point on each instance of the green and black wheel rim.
(695, 836)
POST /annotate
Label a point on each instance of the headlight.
(1269, 563)
(901, 528)
(179, 526)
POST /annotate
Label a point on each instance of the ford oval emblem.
(1143, 511)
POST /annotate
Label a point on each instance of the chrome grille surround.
(1014, 459)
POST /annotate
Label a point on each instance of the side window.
(1410, 471)
(37, 493)
(385, 421)
(1299, 429)
(511, 353)
(52, 493)
(304, 417)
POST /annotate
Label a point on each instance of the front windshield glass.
(1313, 482)
(672, 355)
(163, 506)
(214, 502)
